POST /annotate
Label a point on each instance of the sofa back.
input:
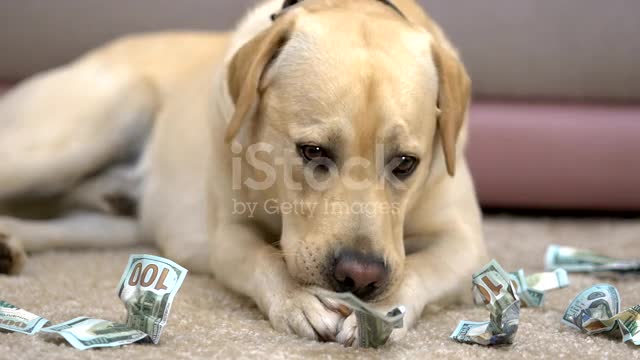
(577, 49)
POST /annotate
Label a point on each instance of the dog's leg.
(60, 126)
(243, 261)
(12, 255)
(117, 191)
(78, 230)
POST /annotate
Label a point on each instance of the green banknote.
(86, 333)
(597, 310)
(469, 331)
(374, 328)
(147, 289)
(496, 290)
(578, 260)
(531, 289)
(546, 281)
(528, 297)
(628, 322)
(13, 318)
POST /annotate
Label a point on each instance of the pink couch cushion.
(562, 156)
(576, 156)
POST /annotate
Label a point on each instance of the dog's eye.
(312, 152)
(406, 165)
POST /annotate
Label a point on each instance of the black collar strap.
(289, 3)
(393, 6)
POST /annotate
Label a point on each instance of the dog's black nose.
(359, 274)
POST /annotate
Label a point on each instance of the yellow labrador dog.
(319, 145)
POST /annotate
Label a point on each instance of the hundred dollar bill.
(85, 333)
(497, 291)
(600, 301)
(13, 318)
(468, 331)
(531, 289)
(578, 260)
(629, 324)
(147, 289)
(597, 310)
(374, 327)
(528, 297)
(546, 281)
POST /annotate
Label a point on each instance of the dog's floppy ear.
(247, 68)
(453, 100)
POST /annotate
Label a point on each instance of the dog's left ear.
(248, 67)
(453, 100)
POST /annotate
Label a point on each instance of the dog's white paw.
(348, 332)
(302, 313)
(12, 254)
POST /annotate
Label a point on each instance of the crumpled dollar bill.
(597, 310)
(147, 289)
(579, 260)
(531, 289)
(86, 333)
(12, 318)
(374, 327)
(497, 291)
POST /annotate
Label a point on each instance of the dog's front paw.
(348, 331)
(12, 255)
(302, 313)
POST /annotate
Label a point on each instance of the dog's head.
(354, 102)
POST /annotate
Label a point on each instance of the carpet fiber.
(208, 321)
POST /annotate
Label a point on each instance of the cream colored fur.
(166, 97)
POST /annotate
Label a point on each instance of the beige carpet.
(208, 321)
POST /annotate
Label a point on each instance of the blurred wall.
(513, 48)
(583, 49)
(38, 34)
